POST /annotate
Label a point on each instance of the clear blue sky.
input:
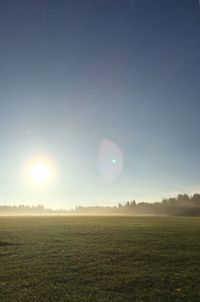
(88, 82)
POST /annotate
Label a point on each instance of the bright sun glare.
(40, 172)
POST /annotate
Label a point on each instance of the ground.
(104, 259)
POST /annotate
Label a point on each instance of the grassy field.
(102, 259)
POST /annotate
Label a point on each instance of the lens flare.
(110, 160)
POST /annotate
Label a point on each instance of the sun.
(40, 172)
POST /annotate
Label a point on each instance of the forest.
(182, 205)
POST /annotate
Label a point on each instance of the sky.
(106, 93)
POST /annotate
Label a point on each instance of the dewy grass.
(83, 259)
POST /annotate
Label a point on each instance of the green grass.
(88, 259)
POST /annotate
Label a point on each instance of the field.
(104, 259)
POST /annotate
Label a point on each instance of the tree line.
(183, 204)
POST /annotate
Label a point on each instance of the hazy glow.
(40, 172)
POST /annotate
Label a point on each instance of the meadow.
(104, 259)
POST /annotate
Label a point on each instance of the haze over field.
(99, 101)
